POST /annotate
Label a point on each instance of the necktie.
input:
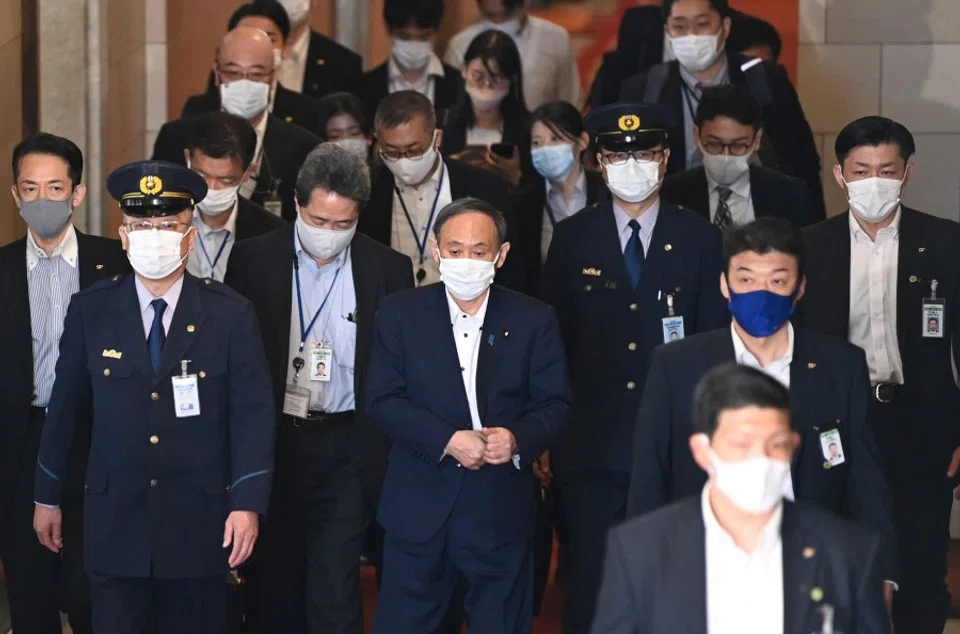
(723, 217)
(157, 336)
(633, 255)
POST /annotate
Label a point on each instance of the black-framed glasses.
(147, 225)
(641, 156)
(737, 148)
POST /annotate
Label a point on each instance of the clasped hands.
(474, 449)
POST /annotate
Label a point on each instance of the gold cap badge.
(151, 185)
(629, 123)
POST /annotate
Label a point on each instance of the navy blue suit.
(828, 380)
(441, 519)
(654, 579)
(610, 331)
(159, 488)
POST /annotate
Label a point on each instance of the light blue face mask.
(553, 162)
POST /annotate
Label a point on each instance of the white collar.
(742, 354)
(859, 235)
(205, 230)
(67, 249)
(768, 539)
(456, 312)
(434, 69)
(298, 50)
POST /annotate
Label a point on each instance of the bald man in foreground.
(245, 75)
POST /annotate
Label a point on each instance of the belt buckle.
(876, 394)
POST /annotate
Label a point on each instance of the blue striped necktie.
(633, 255)
(157, 336)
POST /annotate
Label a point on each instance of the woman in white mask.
(343, 121)
(487, 126)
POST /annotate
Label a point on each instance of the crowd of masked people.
(434, 319)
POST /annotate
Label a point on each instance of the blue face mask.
(553, 162)
(761, 313)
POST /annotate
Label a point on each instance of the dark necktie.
(633, 255)
(723, 217)
(157, 336)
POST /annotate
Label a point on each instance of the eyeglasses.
(163, 225)
(737, 148)
(259, 76)
(413, 155)
(641, 156)
(483, 79)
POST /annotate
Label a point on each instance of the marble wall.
(11, 42)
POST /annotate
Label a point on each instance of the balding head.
(248, 49)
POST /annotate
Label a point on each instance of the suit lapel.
(493, 339)
(16, 296)
(375, 219)
(436, 322)
(90, 270)
(764, 201)
(913, 280)
(283, 296)
(700, 193)
(184, 329)
(606, 247)
(804, 385)
(367, 283)
(663, 252)
(128, 327)
(838, 292)
(688, 571)
(800, 564)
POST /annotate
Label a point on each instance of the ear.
(838, 176)
(759, 141)
(666, 159)
(438, 143)
(726, 28)
(724, 287)
(124, 239)
(79, 194)
(434, 249)
(801, 289)
(908, 174)
(700, 448)
(191, 238)
(16, 195)
(504, 249)
(186, 157)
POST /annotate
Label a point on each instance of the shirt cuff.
(47, 506)
(516, 460)
(895, 585)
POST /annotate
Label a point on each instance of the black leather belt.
(885, 393)
(323, 418)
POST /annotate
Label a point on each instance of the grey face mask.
(46, 217)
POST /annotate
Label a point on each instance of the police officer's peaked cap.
(630, 125)
(150, 189)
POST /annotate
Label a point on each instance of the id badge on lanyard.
(934, 314)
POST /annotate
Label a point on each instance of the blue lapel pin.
(490, 340)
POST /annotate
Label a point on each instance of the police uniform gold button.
(191, 328)
(154, 440)
(631, 385)
(632, 347)
(154, 397)
(203, 374)
(153, 482)
(633, 307)
(106, 372)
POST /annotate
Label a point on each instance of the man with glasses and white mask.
(729, 189)
(245, 73)
(877, 276)
(173, 372)
(469, 381)
(414, 182)
(624, 276)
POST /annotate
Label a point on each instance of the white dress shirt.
(647, 220)
(250, 186)
(740, 201)
(779, 369)
(467, 331)
(550, 71)
(294, 67)
(744, 590)
(145, 297)
(212, 251)
(419, 202)
(483, 136)
(561, 209)
(873, 299)
(426, 85)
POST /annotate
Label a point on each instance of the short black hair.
(765, 235)
(52, 145)
(508, 5)
(339, 103)
(733, 386)
(720, 6)
(400, 107)
(425, 14)
(269, 9)
(223, 135)
(729, 101)
(873, 131)
(747, 31)
(563, 119)
(471, 205)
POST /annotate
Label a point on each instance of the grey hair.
(333, 169)
(471, 205)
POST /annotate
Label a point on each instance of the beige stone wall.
(11, 42)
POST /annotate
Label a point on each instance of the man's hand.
(467, 447)
(954, 463)
(241, 530)
(47, 523)
(541, 469)
(501, 445)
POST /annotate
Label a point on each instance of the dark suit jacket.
(330, 67)
(928, 251)
(416, 396)
(828, 378)
(785, 125)
(376, 86)
(157, 509)
(285, 147)
(773, 194)
(289, 106)
(530, 203)
(261, 269)
(253, 220)
(654, 579)
(610, 330)
(465, 182)
(99, 258)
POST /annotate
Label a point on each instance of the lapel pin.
(811, 366)
(191, 328)
(827, 465)
(321, 62)
(99, 267)
(288, 119)
(913, 279)
(921, 249)
(203, 374)
(809, 552)
(668, 247)
(490, 340)
(817, 594)
(506, 333)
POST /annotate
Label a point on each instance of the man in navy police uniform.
(181, 456)
(623, 276)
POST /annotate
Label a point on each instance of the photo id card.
(321, 362)
(186, 396)
(672, 328)
(832, 447)
(296, 401)
(934, 311)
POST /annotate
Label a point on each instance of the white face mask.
(466, 278)
(357, 146)
(244, 98)
(297, 10)
(634, 181)
(323, 244)
(697, 53)
(218, 201)
(411, 54)
(874, 199)
(755, 485)
(413, 171)
(511, 27)
(155, 254)
(725, 169)
(486, 99)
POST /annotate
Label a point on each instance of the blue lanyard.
(213, 264)
(422, 244)
(306, 331)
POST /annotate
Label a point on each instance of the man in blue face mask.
(763, 279)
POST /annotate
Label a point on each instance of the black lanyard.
(422, 244)
(690, 99)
